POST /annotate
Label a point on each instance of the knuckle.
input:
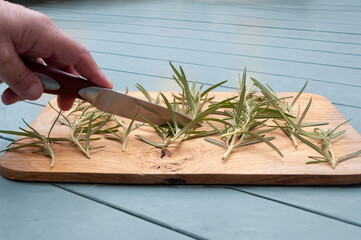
(84, 53)
(42, 18)
(55, 31)
(42, 22)
(84, 56)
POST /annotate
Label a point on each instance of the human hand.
(31, 34)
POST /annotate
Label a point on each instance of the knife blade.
(58, 82)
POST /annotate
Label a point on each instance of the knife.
(59, 82)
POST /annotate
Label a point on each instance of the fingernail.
(34, 91)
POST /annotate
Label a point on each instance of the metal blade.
(127, 106)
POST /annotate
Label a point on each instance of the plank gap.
(225, 53)
(213, 40)
(212, 23)
(133, 213)
(298, 207)
(212, 31)
(215, 66)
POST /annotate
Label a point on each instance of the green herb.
(89, 122)
(147, 95)
(126, 129)
(326, 151)
(298, 118)
(173, 133)
(43, 143)
(190, 102)
(243, 121)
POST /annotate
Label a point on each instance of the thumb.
(17, 76)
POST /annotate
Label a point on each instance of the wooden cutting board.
(191, 162)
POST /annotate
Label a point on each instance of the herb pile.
(246, 119)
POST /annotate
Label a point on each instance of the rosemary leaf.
(254, 141)
(216, 142)
(155, 144)
(349, 156)
(265, 140)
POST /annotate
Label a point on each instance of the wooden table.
(283, 43)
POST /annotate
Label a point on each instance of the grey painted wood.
(232, 57)
(43, 211)
(328, 200)
(11, 117)
(226, 11)
(257, 52)
(214, 20)
(231, 19)
(219, 213)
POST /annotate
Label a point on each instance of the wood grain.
(191, 162)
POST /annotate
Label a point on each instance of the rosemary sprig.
(147, 95)
(326, 151)
(246, 114)
(84, 126)
(126, 129)
(43, 143)
(298, 118)
(190, 102)
(173, 133)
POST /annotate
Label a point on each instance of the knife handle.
(58, 82)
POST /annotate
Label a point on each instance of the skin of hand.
(31, 34)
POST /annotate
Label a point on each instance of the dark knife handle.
(58, 82)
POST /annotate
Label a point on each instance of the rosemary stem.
(293, 139)
(124, 144)
(75, 140)
(333, 159)
(230, 147)
(51, 153)
(239, 130)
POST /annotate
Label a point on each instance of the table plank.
(43, 211)
(219, 213)
(324, 200)
(222, 14)
(254, 54)
(209, 75)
